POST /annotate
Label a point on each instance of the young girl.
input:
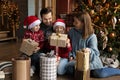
(37, 35)
(82, 36)
(59, 27)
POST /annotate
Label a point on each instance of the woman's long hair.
(87, 28)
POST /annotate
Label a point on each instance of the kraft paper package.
(58, 39)
(21, 68)
(28, 46)
(48, 67)
(82, 71)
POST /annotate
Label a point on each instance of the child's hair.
(59, 22)
(87, 28)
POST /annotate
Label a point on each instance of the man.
(46, 25)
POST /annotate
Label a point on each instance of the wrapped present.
(2, 75)
(82, 71)
(21, 68)
(48, 67)
(28, 46)
(58, 40)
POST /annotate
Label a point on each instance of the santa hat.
(59, 22)
(31, 21)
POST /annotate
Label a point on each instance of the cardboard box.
(28, 46)
(82, 71)
(58, 40)
(21, 68)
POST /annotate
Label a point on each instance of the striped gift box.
(48, 68)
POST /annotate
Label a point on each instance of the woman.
(82, 36)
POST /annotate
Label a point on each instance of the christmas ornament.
(110, 49)
(104, 37)
(119, 20)
(98, 8)
(92, 12)
(90, 2)
(107, 13)
(96, 19)
(112, 35)
(114, 21)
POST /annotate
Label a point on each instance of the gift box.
(48, 67)
(21, 68)
(82, 71)
(58, 40)
(2, 75)
(28, 46)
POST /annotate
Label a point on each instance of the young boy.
(63, 52)
(37, 35)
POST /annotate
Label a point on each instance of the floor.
(10, 49)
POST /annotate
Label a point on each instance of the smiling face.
(47, 19)
(60, 29)
(35, 28)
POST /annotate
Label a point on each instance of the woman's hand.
(88, 50)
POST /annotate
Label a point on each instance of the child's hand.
(71, 58)
(37, 49)
(58, 60)
(68, 42)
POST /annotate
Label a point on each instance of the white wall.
(39, 8)
(31, 7)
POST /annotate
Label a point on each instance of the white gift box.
(2, 75)
(48, 68)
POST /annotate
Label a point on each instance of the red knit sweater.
(37, 36)
(62, 52)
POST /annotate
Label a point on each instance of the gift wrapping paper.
(21, 68)
(48, 68)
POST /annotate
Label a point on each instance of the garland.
(9, 9)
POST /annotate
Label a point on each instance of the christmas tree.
(105, 16)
